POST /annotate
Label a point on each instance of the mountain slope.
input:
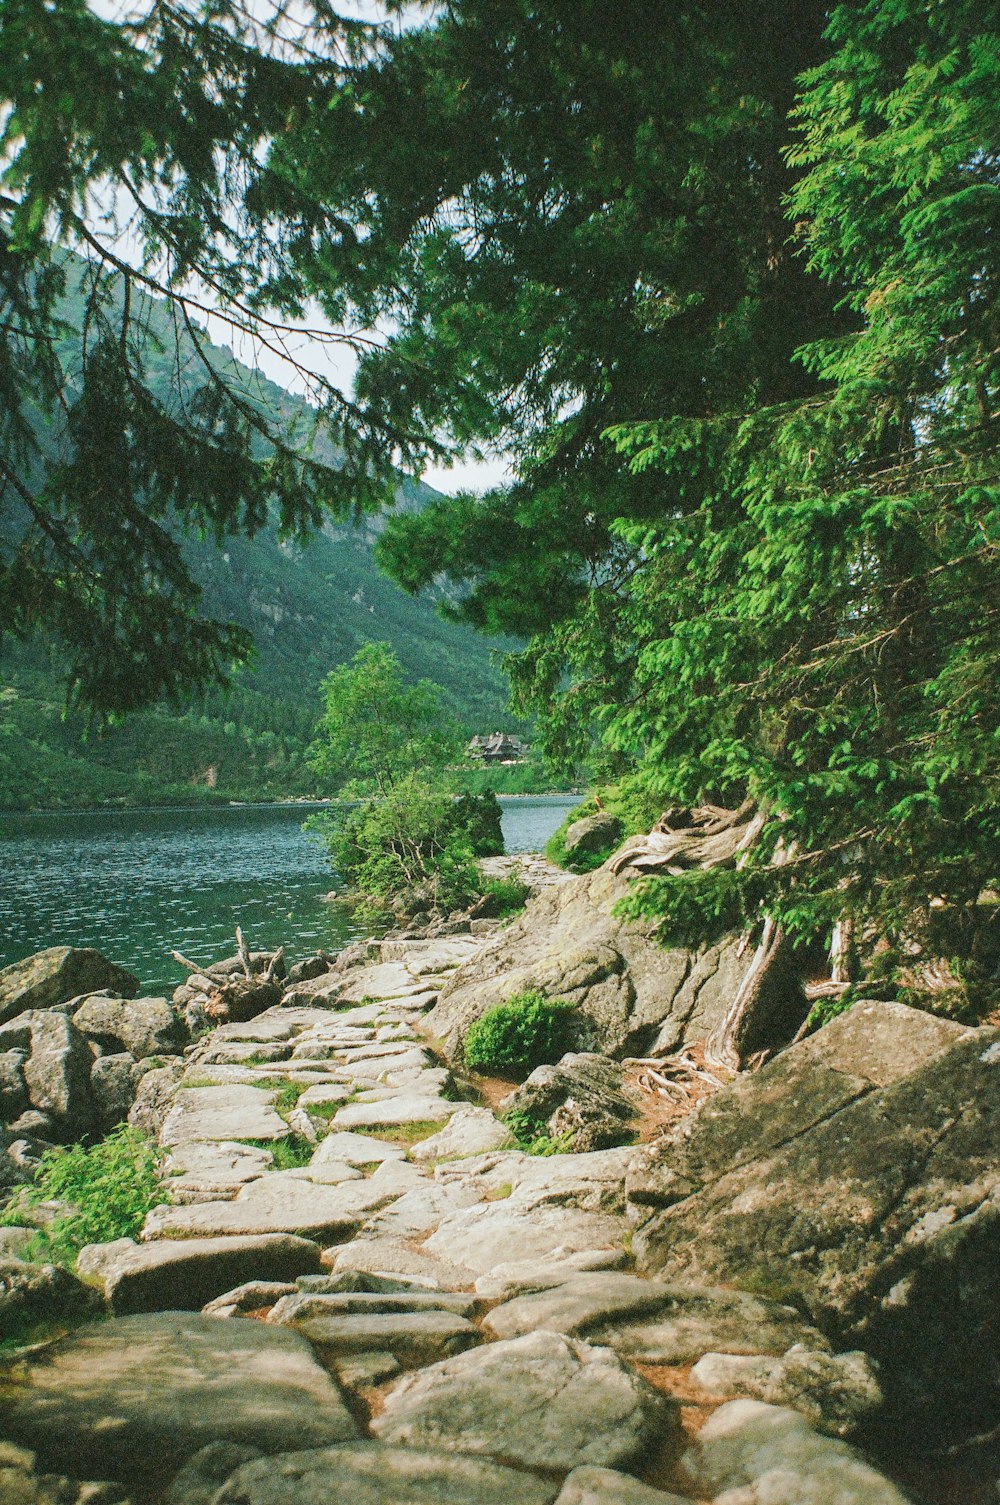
(309, 606)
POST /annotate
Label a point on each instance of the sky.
(336, 362)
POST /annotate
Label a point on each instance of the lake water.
(139, 883)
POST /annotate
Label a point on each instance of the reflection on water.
(140, 883)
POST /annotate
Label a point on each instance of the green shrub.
(110, 1188)
(533, 1137)
(515, 1037)
(510, 895)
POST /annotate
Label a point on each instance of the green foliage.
(628, 801)
(508, 894)
(110, 1187)
(533, 1137)
(409, 838)
(290, 1152)
(526, 1031)
(402, 847)
(376, 730)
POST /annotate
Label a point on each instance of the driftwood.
(231, 997)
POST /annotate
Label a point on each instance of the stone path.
(435, 1315)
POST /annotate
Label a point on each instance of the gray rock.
(218, 1169)
(302, 1306)
(860, 1174)
(200, 1480)
(470, 1131)
(141, 1026)
(591, 834)
(399, 1109)
(254, 1296)
(396, 1257)
(367, 1474)
(278, 1203)
(154, 1098)
(32, 1293)
(13, 1088)
(493, 1233)
(542, 1399)
(414, 1338)
(57, 975)
(752, 1454)
(837, 1393)
(114, 1081)
(606, 1486)
(135, 1398)
(362, 1370)
(583, 1095)
(659, 1324)
(631, 994)
(309, 967)
(57, 1074)
(214, 1113)
(185, 1274)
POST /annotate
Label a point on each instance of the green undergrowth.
(403, 1134)
(526, 1031)
(532, 1135)
(635, 809)
(509, 895)
(291, 1151)
(107, 1188)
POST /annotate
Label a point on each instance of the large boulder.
(141, 1026)
(57, 1075)
(591, 834)
(633, 995)
(858, 1175)
(134, 1399)
(583, 1096)
(55, 976)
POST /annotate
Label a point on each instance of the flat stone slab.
(218, 1167)
(606, 1486)
(658, 1323)
(322, 1094)
(470, 1131)
(274, 1204)
(399, 1109)
(354, 1149)
(303, 1306)
(393, 1256)
(229, 1112)
(384, 980)
(544, 1400)
(367, 1474)
(132, 1399)
(768, 1453)
(185, 1274)
(493, 1233)
(836, 1393)
(414, 1337)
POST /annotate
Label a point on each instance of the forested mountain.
(309, 606)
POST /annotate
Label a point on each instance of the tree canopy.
(722, 279)
(725, 282)
(136, 191)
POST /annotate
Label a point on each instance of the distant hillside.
(309, 608)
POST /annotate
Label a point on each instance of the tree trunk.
(725, 1047)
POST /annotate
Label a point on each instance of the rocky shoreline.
(796, 1278)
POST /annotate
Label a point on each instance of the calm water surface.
(140, 883)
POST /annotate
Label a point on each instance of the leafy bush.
(110, 1188)
(477, 817)
(515, 1037)
(533, 1137)
(403, 845)
(509, 895)
(635, 808)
